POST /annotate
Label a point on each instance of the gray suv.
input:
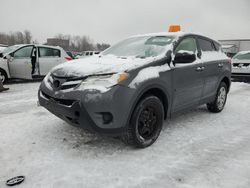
(132, 87)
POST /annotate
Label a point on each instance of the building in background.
(64, 43)
(231, 47)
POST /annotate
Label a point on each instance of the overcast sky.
(113, 20)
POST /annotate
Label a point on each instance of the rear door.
(187, 79)
(213, 66)
(20, 65)
(48, 58)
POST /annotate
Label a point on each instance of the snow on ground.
(196, 149)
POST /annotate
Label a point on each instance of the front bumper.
(86, 109)
(241, 73)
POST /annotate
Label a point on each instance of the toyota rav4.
(130, 88)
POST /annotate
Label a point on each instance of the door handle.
(200, 68)
(220, 65)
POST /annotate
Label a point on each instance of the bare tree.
(68, 42)
(15, 38)
(27, 36)
(103, 46)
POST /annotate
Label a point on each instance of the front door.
(187, 78)
(20, 65)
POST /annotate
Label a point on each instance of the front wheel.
(3, 76)
(146, 123)
(221, 97)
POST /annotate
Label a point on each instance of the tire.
(3, 76)
(221, 97)
(146, 123)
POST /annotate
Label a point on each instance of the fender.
(143, 88)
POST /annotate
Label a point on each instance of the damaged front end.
(90, 102)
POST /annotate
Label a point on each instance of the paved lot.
(196, 149)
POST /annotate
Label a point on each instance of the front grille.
(241, 64)
(63, 83)
(66, 102)
(63, 87)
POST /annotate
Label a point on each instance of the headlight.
(103, 83)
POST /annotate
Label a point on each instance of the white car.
(241, 65)
(28, 61)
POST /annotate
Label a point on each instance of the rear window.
(49, 52)
(241, 56)
(206, 45)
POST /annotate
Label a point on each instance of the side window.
(48, 52)
(24, 52)
(188, 45)
(206, 45)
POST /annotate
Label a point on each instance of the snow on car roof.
(171, 34)
(43, 45)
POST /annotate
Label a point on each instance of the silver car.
(28, 61)
(241, 66)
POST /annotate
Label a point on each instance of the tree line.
(68, 42)
(81, 43)
(16, 38)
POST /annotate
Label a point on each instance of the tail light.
(68, 58)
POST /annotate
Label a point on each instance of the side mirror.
(9, 57)
(184, 57)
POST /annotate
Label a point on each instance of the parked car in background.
(241, 66)
(70, 54)
(28, 61)
(73, 55)
(87, 54)
(130, 88)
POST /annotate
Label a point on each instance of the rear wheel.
(221, 97)
(3, 76)
(146, 123)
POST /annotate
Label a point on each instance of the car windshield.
(10, 49)
(141, 47)
(242, 56)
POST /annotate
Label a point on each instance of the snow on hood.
(102, 64)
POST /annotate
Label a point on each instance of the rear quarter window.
(49, 52)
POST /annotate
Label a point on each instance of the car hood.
(102, 64)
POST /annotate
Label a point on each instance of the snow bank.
(51, 153)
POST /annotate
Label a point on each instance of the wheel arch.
(227, 81)
(157, 91)
(7, 76)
